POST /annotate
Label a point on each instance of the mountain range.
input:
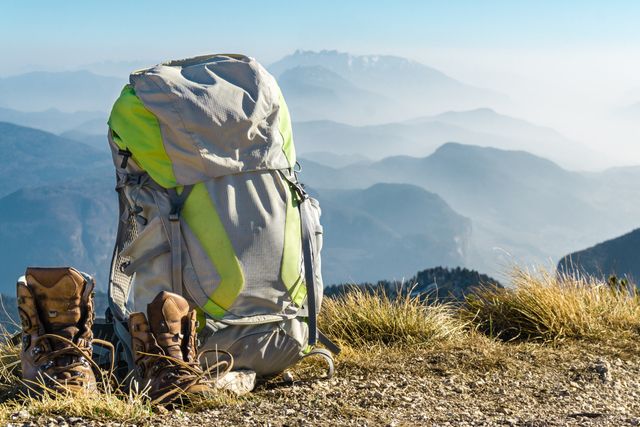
(34, 158)
(66, 224)
(413, 169)
(420, 137)
(379, 88)
(521, 203)
(386, 230)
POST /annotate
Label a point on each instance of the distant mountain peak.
(347, 64)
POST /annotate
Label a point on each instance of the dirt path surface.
(488, 384)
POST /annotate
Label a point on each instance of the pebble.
(287, 377)
(21, 415)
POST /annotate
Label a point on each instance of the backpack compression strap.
(308, 252)
(176, 235)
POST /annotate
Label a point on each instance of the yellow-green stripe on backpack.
(211, 208)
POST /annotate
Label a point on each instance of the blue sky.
(565, 63)
(71, 32)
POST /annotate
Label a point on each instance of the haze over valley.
(413, 169)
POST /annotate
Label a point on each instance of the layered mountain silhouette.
(420, 137)
(414, 88)
(316, 93)
(66, 224)
(386, 230)
(521, 203)
(33, 158)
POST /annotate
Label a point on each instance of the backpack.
(211, 209)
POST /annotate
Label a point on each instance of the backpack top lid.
(190, 120)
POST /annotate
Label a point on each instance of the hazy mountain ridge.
(521, 203)
(314, 92)
(618, 256)
(33, 158)
(386, 230)
(66, 91)
(420, 137)
(415, 88)
(65, 224)
(53, 120)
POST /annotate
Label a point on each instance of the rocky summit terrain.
(478, 382)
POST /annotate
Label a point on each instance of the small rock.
(287, 377)
(74, 420)
(378, 395)
(602, 367)
(502, 410)
(160, 410)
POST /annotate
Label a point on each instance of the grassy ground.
(559, 328)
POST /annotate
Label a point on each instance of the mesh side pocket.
(120, 283)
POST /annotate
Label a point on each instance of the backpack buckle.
(125, 157)
(174, 215)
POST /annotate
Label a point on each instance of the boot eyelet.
(36, 350)
(46, 366)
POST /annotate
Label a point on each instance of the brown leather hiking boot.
(56, 311)
(165, 351)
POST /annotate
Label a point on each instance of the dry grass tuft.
(130, 408)
(360, 318)
(540, 305)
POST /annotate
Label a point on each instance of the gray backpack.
(211, 208)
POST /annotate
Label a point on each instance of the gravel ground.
(488, 384)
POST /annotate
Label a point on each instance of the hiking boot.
(56, 311)
(165, 351)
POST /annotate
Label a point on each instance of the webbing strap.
(308, 253)
(327, 356)
(133, 266)
(333, 348)
(176, 235)
(125, 340)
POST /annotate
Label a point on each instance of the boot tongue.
(167, 321)
(58, 293)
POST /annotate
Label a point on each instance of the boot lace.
(53, 375)
(184, 375)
